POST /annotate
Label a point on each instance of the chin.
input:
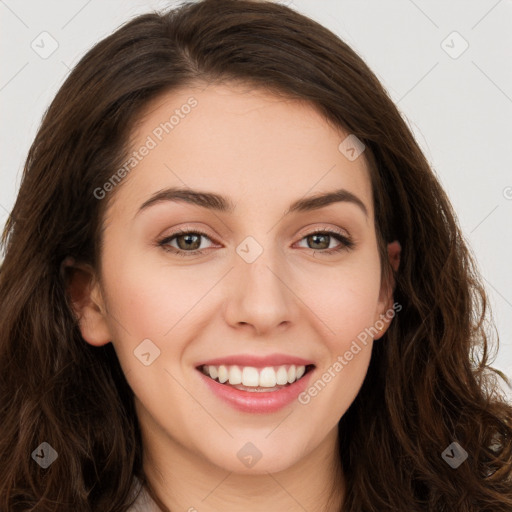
(255, 458)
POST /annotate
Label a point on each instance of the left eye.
(319, 239)
(189, 242)
(186, 240)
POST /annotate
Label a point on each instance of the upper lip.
(256, 361)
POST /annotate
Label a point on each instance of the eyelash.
(346, 242)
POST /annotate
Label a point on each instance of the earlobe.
(87, 302)
(394, 252)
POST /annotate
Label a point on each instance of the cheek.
(141, 304)
(345, 298)
(163, 301)
(347, 306)
(345, 301)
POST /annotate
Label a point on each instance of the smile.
(253, 389)
(250, 378)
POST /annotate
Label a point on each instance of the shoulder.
(144, 503)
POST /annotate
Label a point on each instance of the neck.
(185, 481)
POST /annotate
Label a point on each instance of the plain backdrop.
(447, 66)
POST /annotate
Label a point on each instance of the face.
(251, 279)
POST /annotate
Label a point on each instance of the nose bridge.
(260, 264)
(260, 295)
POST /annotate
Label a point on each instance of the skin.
(263, 152)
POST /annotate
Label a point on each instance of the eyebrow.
(223, 204)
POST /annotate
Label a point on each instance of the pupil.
(315, 237)
(187, 244)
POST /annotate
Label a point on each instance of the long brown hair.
(429, 382)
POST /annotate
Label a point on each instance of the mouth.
(254, 379)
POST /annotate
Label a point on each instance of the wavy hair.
(429, 382)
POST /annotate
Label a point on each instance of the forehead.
(260, 149)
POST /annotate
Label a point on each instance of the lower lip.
(258, 401)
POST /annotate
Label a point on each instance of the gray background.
(458, 103)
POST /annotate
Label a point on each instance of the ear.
(386, 292)
(88, 304)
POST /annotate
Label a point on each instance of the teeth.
(282, 376)
(223, 374)
(249, 376)
(235, 375)
(292, 373)
(212, 370)
(268, 377)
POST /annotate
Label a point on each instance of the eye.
(188, 242)
(321, 240)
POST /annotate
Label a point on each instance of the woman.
(232, 282)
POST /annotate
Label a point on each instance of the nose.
(260, 296)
